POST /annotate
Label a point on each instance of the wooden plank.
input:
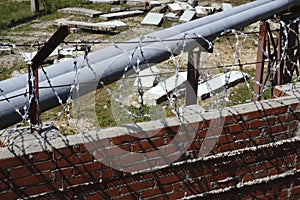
(81, 11)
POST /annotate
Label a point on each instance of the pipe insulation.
(108, 64)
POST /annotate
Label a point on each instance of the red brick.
(20, 172)
(112, 192)
(41, 156)
(98, 195)
(107, 173)
(235, 128)
(295, 190)
(258, 123)
(4, 185)
(38, 189)
(253, 115)
(153, 192)
(63, 173)
(275, 111)
(86, 157)
(169, 179)
(13, 162)
(9, 195)
(87, 168)
(43, 166)
(141, 185)
(124, 139)
(62, 153)
(175, 195)
(32, 180)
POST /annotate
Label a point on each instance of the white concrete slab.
(175, 7)
(200, 11)
(163, 88)
(100, 26)
(217, 83)
(154, 19)
(121, 14)
(81, 11)
(105, 1)
(171, 16)
(154, 4)
(147, 77)
(187, 16)
(185, 5)
(226, 6)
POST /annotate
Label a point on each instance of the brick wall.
(255, 156)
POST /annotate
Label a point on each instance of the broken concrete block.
(201, 11)
(204, 4)
(187, 16)
(153, 19)
(121, 14)
(106, 1)
(175, 8)
(171, 17)
(163, 88)
(159, 9)
(5, 50)
(147, 78)
(226, 6)
(140, 3)
(217, 7)
(184, 5)
(193, 3)
(81, 11)
(154, 4)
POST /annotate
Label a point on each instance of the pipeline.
(109, 64)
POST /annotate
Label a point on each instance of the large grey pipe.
(109, 64)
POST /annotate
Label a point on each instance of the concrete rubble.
(153, 19)
(158, 10)
(110, 26)
(123, 14)
(159, 93)
(81, 11)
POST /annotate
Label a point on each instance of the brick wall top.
(21, 142)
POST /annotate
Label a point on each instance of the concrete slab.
(217, 84)
(100, 26)
(217, 6)
(187, 16)
(185, 5)
(154, 4)
(123, 14)
(106, 1)
(137, 3)
(152, 96)
(201, 11)
(159, 9)
(81, 11)
(154, 19)
(226, 6)
(175, 8)
(171, 16)
(147, 77)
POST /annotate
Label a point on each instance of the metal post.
(263, 37)
(38, 59)
(192, 77)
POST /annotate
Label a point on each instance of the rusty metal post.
(192, 77)
(38, 59)
(262, 41)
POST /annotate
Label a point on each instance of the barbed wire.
(236, 43)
